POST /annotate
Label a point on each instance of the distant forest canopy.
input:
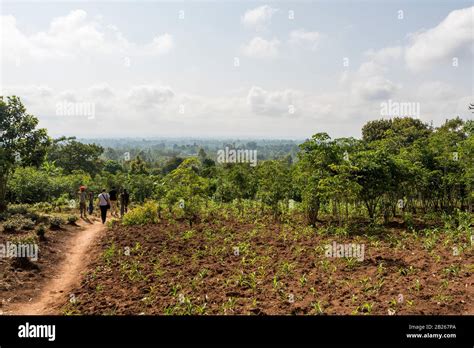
(157, 150)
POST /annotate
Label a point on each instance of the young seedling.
(417, 285)
(367, 308)
(303, 280)
(317, 307)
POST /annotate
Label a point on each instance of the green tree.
(138, 166)
(21, 143)
(274, 184)
(315, 158)
(71, 155)
(184, 185)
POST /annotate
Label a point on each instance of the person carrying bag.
(104, 205)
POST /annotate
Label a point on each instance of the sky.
(244, 69)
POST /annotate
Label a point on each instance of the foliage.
(142, 215)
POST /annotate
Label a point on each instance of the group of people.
(111, 200)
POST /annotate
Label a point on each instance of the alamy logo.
(37, 331)
(351, 250)
(399, 109)
(66, 108)
(12, 250)
(228, 155)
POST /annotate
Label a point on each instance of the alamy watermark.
(229, 155)
(350, 250)
(83, 109)
(19, 250)
(399, 109)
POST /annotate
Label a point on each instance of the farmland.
(381, 225)
(230, 264)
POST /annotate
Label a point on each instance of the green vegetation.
(401, 168)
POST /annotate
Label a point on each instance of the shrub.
(10, 226)
(141, 215)
(45, 207)
(27, 224)
(55, 222)
(33, 216)
(72, 219)
(18, 222)
(4, 216)
(18, 209)
(40, 232)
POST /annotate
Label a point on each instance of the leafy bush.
(32, 216)
(55, 222)
(27, 224)
(10, 226)
(18, 222)
(18, 209)
(4, 216)
(40, 232)
(141, 215)
(72, 219)
(45, 207)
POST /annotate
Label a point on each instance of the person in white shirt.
(104, 204)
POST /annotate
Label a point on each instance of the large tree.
(71, 155)
(21, 143)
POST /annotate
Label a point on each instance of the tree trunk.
(3, 192)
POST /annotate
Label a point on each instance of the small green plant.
(452, 270)
(109, 254)
(380, 269)
(350, 262)
(317, 307)
(367, 308)
(40, 232)
(72, 219)
(188, 234)
(55, 222)
(303, 280)
(417, 285)
(406, 271)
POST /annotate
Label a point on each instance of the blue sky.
(148, 72)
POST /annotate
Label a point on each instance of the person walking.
(104, 205)
(82, 201)
(124, 200)
(91, 202)
(113, 201)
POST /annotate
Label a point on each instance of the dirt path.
(68, 274)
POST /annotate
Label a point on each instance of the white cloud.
(368, 83)
(160, 45)
(259, 17)
(275, 103)
(375, 88)
(379, 60)
(102, 91)
(307, 39)
(149, 96)
(261, 48)
(451, 37)
(74, 35)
